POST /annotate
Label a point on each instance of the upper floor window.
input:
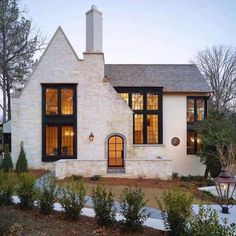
(146, 104)
(59, 101)
(196, 111)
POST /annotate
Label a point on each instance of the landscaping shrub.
(26, 190)
(176, 209)
(207, 223)
(96, 177)
(7, 187)
(103, 202)
(21, 164)
(132, 208)
(7, 164)
(77, 177)
(72, 199)
(46, 194)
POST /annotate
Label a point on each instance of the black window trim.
(191, 125)
(59, 120)
(145, 112)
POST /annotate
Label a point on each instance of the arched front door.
(115, 151)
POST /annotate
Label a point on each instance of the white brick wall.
(101, 111)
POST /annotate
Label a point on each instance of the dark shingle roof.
(173, 78)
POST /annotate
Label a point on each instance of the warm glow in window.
(115, 151)
(152, 101)
(66, 101)
(190, 110)
(51, 140)
(138, 128)
(125, 97)
(200, 109)
(67, 134)
(152, 128)
(190, 142)
(137, 101)
(51, 102)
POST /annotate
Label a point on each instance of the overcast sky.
(142, 31)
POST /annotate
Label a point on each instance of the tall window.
(58, 121)
(147, 106)
(196, 111)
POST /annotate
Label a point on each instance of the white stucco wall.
(101, 111)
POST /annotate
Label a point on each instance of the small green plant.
(26, 190)
(132, 208)
(7, 187)
(46, 194)
(21, 164)
(96, 177)
(7, 164)
(103, 202)
(72, 199)
(207, 223)
(77, 177)
(175, 175)
(176, 209)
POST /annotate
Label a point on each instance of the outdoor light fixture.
(225, 186)
(91, 137)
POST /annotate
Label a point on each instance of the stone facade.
(101, 111)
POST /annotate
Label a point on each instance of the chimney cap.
(94, 7)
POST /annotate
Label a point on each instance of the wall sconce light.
(91, 137)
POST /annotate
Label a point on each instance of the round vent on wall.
(175, 141)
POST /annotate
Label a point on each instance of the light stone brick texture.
(101, 111)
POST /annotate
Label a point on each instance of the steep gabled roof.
(173, 78)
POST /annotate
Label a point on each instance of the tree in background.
(217, 130)
(218, 66)
(18, 45)
(7, 164)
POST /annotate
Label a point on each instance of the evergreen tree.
(7, 164)
(21, 164)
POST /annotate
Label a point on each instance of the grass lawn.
(152, 188)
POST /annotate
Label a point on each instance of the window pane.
(125, 97)
(152, 101)
(67, 133)
(51, 102)
(199, 143)
(152, 128)
(137, 101)
(51, 140)
(190, 142)
(138, 129)
(67, 101)
(190, 110)
(200, 109)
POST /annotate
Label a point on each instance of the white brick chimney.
(93, 30)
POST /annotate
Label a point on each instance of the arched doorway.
(115, 151)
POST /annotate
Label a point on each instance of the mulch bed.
(33, 223)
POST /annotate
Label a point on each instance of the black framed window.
(146, 103)
(196, 111)
(59, 122)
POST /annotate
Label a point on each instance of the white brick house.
(81, 116)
